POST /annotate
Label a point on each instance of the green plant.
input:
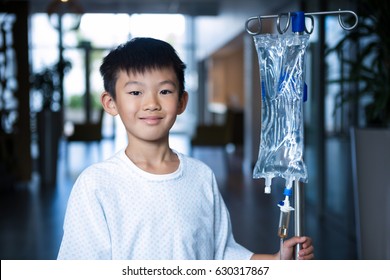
(365, 54)
(47, 83)
(77, 101)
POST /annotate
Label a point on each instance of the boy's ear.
(182, 103)
(108, 103)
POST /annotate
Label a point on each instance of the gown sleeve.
(225, 245)
(86, 234)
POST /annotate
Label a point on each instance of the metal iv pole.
(253, 27)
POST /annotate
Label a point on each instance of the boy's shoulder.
(194, 163)
(103, 168)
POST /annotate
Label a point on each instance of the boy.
(149, 201)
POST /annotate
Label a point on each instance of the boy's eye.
(135, 93)
(165, 91)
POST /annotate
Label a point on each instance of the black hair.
(139, 55)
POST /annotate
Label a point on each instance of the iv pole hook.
(342, 23)
(258, 20)
(339, 13)
(280, 16)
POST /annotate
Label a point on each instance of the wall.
(226, 79)
(214, 32)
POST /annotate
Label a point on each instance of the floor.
(31, 217)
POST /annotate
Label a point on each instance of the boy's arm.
(86, 235)
(265, 256)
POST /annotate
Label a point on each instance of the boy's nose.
(151, 102)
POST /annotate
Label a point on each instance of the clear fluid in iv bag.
(281, 61)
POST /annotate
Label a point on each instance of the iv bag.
(281, 60)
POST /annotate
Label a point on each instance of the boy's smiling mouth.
(151, 120)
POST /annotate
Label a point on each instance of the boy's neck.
(155, 159)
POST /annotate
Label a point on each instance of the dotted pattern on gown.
(118, 211)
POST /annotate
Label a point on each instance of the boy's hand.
(306, 252)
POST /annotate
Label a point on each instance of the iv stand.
(298, 187)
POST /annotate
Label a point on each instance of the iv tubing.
(281, 248)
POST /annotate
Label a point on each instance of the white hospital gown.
(118, 211)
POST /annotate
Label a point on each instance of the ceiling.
(188, 7)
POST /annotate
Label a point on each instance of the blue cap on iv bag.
(298, 22)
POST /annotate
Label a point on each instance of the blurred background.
(52, 125)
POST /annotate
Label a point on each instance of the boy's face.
(147, 103)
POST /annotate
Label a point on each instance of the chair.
(84, 132)
(87, 132)
(220, 135)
